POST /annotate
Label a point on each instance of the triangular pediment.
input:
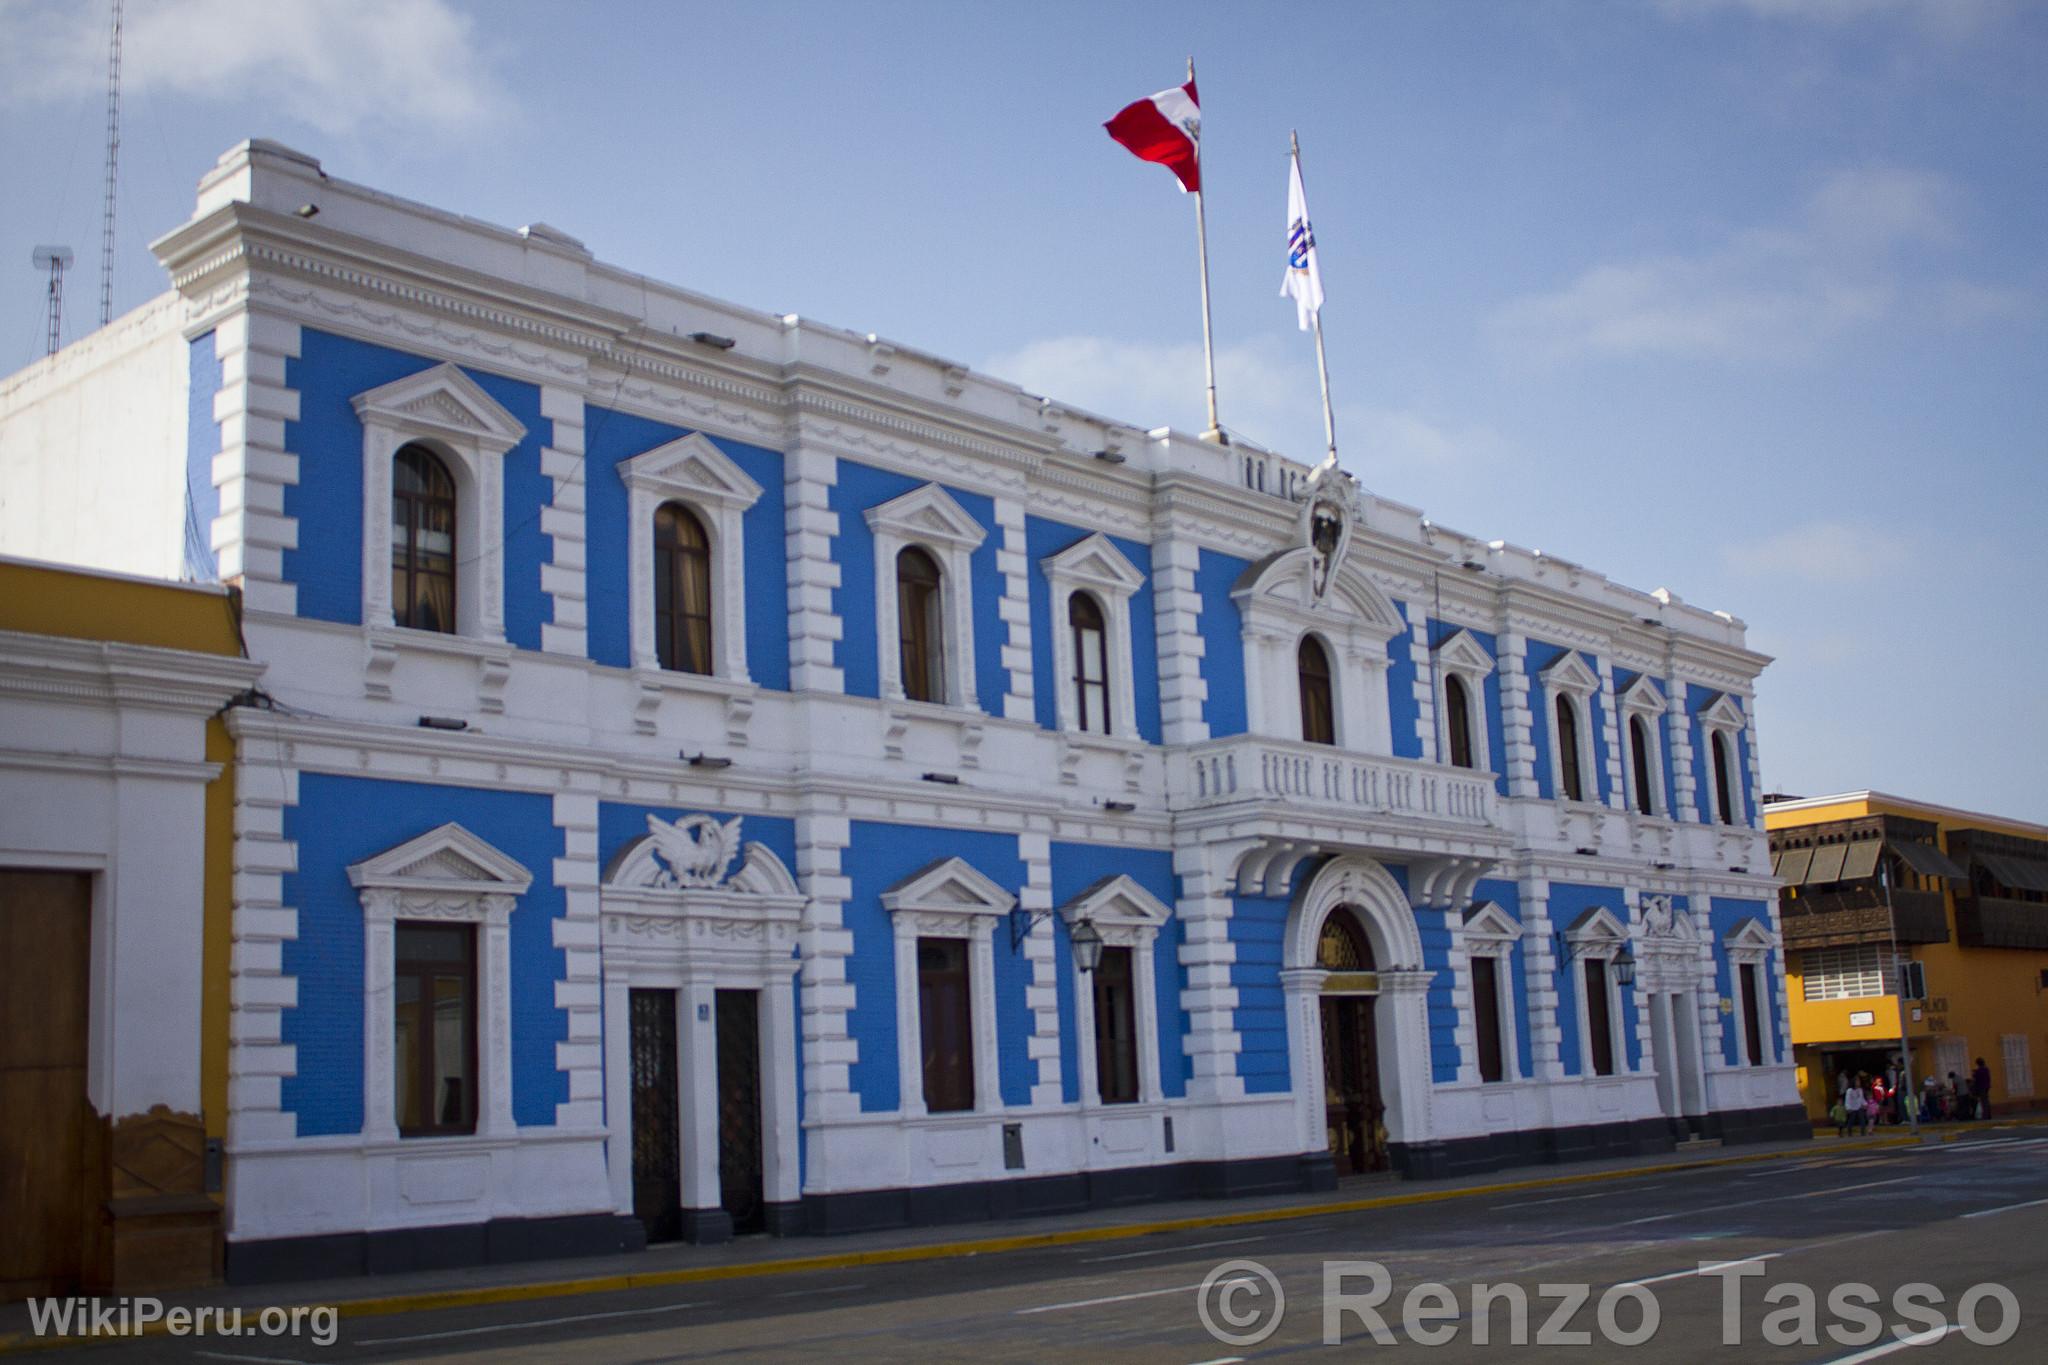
(1488, 921)
(952, 886)
(1569, 673)
(1463, 653)
(1724, 710)
(1118, 900)
(442, 402)
(1597, 925)
(449, 858)
(928, 514)
(1096, 561)
(692, 468)
(1749, 933)
(1643, 695)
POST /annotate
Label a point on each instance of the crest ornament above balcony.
(695, 850)
(1330, 512)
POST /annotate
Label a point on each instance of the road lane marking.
(248, 1360)
(1700, 1270)
(1570, 1198)
(1926, 1338)
(1746, 1203)
(2007, 1208)
(1168, 1251)
(807, 1293)
(1222, 1360)
(523, 1326)
(1126, 1298)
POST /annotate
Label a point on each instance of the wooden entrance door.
(47, 1125)
(657, 1165)
(739, 1109)
(1351, 1085)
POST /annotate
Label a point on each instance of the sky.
(1741, 298)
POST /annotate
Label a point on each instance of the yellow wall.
(1977, 994)
(78, 604)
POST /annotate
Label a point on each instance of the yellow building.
(116, 839)
(1968, 903)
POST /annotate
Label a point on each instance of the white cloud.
(1822, 554)
(1777, 293)
(337, 65)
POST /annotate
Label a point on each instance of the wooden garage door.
(45, 919)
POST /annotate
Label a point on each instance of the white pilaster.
(810, 524)
(829, 1051)
(580, 1055)
(1041, 993)
(1678, 736)
(1207, 953)
(1425, 686)
(1610, 731)
(251, 531)
(1013, 563)
(564, 523)
(1540, 968)
(1177, 608)
(259, 991)
(1516, 720)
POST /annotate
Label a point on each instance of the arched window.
(1568, 751)
(921, 625)
(1724, 789)
(1639, 757)
(1318, 706)
(1342, 945)
(422, 541)
(1458, 721)
(682, 590)
(1091, 663)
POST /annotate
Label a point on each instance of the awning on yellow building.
(2022, 874)
(1928, 860)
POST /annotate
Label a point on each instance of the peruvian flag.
(1167, 128)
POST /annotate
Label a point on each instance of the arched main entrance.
(1353, 1115)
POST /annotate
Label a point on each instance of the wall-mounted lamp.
(705, 760)
(1120, 807)
(1087, 941)
(307, 210)
(1623, 962)
(944, 779)
(1111, 456)
(443, 723)
(713, 340)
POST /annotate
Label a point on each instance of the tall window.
(1486, 1016)
(1458, 721)
(1599, 1016)
(1318, 706)
(435, 1035)
(1091, 662)
(422, 541)
(1639, 758)
(1116, 1028)
(1723, 788)
(920, 626)
(945, 1022)
(682, 590)
(1568, 750)
(1752, 1016)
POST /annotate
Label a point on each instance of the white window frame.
(1723, 717)
(1750, 942)
(1463, 657)
(1598, 934)
(2016, 1053)
(446, 411)
(1127, 916)
(931, 520)
(950, 898)
(1568, 677)
(449, 876)
(694, 472)
(1354, 620)
(1094, 565)
(1645, 700)
(1489, 932)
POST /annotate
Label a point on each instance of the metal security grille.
(1843, 973)
(657, 1168)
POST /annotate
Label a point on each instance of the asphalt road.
(1947, 1217)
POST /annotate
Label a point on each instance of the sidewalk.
(677, 1263)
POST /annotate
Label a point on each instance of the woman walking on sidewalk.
(1856, 1106)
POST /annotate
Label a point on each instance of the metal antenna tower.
(56, 260)
(113, 156)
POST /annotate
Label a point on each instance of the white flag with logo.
(1304, 279)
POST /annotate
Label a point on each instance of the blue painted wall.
(1075, 868)
(1444, 1052)
(202, 443)
(1222, 628)
(1044, 538)
(1257, 929)
(343, 820)
(1508, 896)
(861, 487)
(1723, 915)
(612, 437)
(877, 858)
(327, 566)
(1567, 903)
(1403, 711)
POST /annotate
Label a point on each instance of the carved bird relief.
(695, 849)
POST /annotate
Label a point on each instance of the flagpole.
(1322, 361)
(1215, 431)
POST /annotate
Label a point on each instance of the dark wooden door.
(1351, 1085)
(739, 1108)
(46, 1123)
(657, 1165)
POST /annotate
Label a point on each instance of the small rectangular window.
(434, 1028)
(945, 1020)
(1599, 1016)
(1116, 1032)
(1752, 1016)
(1486, 1016)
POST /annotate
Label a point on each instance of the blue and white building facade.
(770, 845)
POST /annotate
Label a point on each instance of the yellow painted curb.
(936, 1251)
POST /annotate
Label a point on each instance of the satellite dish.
(51, 257)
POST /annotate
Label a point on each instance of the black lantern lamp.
(1625, 968)
(1087, 946)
